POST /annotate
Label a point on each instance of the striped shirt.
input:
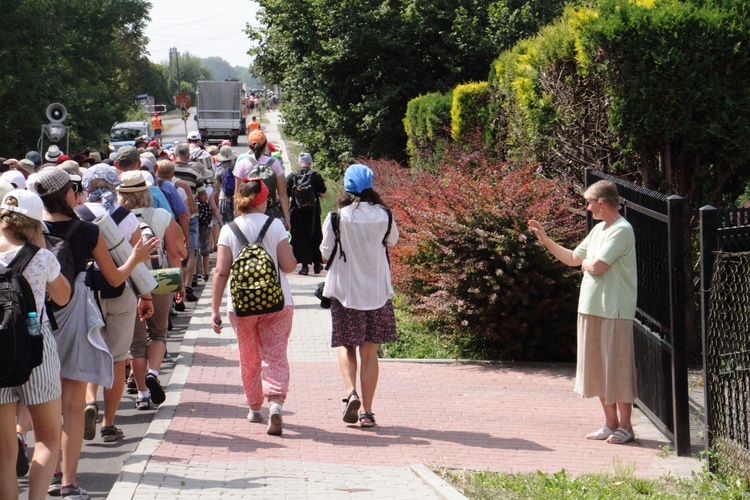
(192, 173)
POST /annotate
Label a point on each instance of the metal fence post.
(680, 397)
(709, 220)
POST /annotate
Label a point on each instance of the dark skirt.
(352, 327)
(307, 234)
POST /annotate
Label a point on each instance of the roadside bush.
(427, 121)
(466, 262)
(469, 109)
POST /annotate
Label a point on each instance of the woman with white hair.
(149, 339)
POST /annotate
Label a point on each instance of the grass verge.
(623, 484)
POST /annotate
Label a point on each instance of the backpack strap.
(387, 232)
(238, 233)
(119, 214)
(72, 229)
(23, 257)
(337, 240)
(240, 236)
(85, 213)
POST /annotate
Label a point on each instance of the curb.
(135, 466)
(437, 483)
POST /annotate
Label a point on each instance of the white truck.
(219, 110)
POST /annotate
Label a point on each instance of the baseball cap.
(14, 177)
(128, 156)
(193, 136)
(26, 203)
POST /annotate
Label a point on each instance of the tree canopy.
(348, 68)
(84, 54)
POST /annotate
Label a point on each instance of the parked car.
(125, 133)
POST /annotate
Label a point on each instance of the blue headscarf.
(357, 178)
(107, 196)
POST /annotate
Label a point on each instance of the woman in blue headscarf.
(359, 286)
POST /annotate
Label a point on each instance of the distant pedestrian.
(158, 128)
(359, 287)
(606, 309)
(225, 183)
(263, 338)
(305, 187)
(253, 125)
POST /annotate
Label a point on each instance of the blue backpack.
(227, 183)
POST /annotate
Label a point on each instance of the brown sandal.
(352, 407)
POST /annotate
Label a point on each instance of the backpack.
(337, 238)
(266, 173)
(147, 233)
(20, 352)
(254, 281)
(304, 192)
(60, 248)
(228, 182)
(95, 280)
(205, 215)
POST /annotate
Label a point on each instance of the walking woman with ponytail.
(269, 169)
(262, 339)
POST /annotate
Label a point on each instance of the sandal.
(621, 436)
(143, 403)
(601, 434)
(364, 417)
(352, 403)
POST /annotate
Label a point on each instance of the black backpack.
(60, 248)
(304, 192)
(20, 352)
(204, 213)
(95, 280)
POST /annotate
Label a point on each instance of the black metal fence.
(725, 304)
(660, 345)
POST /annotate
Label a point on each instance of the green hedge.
(469, 112)
(427, 125)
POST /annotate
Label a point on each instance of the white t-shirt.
(42, 269)
(250, 225)
(363, 281)
(128, 225)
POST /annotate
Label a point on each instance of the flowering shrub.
(466, 261)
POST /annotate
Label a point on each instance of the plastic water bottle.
(32, 324)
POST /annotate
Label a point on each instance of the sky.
(191, 27)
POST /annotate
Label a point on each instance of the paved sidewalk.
(500, 417)
(508, 418)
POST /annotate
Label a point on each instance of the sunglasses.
(77, 187)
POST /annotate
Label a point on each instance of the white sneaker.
(274, 420)
(255, 416)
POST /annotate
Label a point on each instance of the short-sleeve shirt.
(250, 225)
(192, 173)
(82, 243)
(42, 269)
(170, 193)
(158, 199)
(613, 293)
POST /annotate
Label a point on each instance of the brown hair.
(20, 226)
(605, 191)
(369, 195)
(245, 194)
(57, 202)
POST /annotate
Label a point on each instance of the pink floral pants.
(262, 342)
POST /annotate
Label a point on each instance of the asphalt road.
(101, 462)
